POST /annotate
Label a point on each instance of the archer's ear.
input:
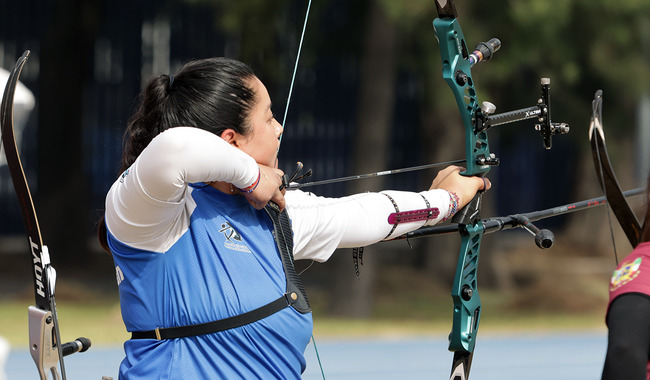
(230, 136)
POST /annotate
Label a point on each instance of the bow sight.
(541, 111)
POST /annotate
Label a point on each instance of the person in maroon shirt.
(628, 313)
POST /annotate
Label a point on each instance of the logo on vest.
(233, 238)
(627, 272)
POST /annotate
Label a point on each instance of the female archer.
(203, 235)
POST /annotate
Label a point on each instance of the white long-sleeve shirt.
(150, 207)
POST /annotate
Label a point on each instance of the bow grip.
(470, 213)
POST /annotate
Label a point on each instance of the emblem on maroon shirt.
(627, 272)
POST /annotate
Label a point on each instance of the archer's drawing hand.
(465, 187)
(268, 190)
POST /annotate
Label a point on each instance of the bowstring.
(284, 120)
(295, 70)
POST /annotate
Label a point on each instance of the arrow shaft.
(372, 175)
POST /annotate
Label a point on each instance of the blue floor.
(540, 356)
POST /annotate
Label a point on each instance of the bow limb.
(606, 177)
(44, 336)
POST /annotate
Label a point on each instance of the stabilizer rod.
(494, 224)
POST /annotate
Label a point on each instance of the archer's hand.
(268, 190)
(465, 187)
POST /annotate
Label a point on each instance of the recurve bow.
(606, 177)
(44, 337)
(457, 62)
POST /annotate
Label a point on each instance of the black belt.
(218, 325)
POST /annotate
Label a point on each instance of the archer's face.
(262, 142)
